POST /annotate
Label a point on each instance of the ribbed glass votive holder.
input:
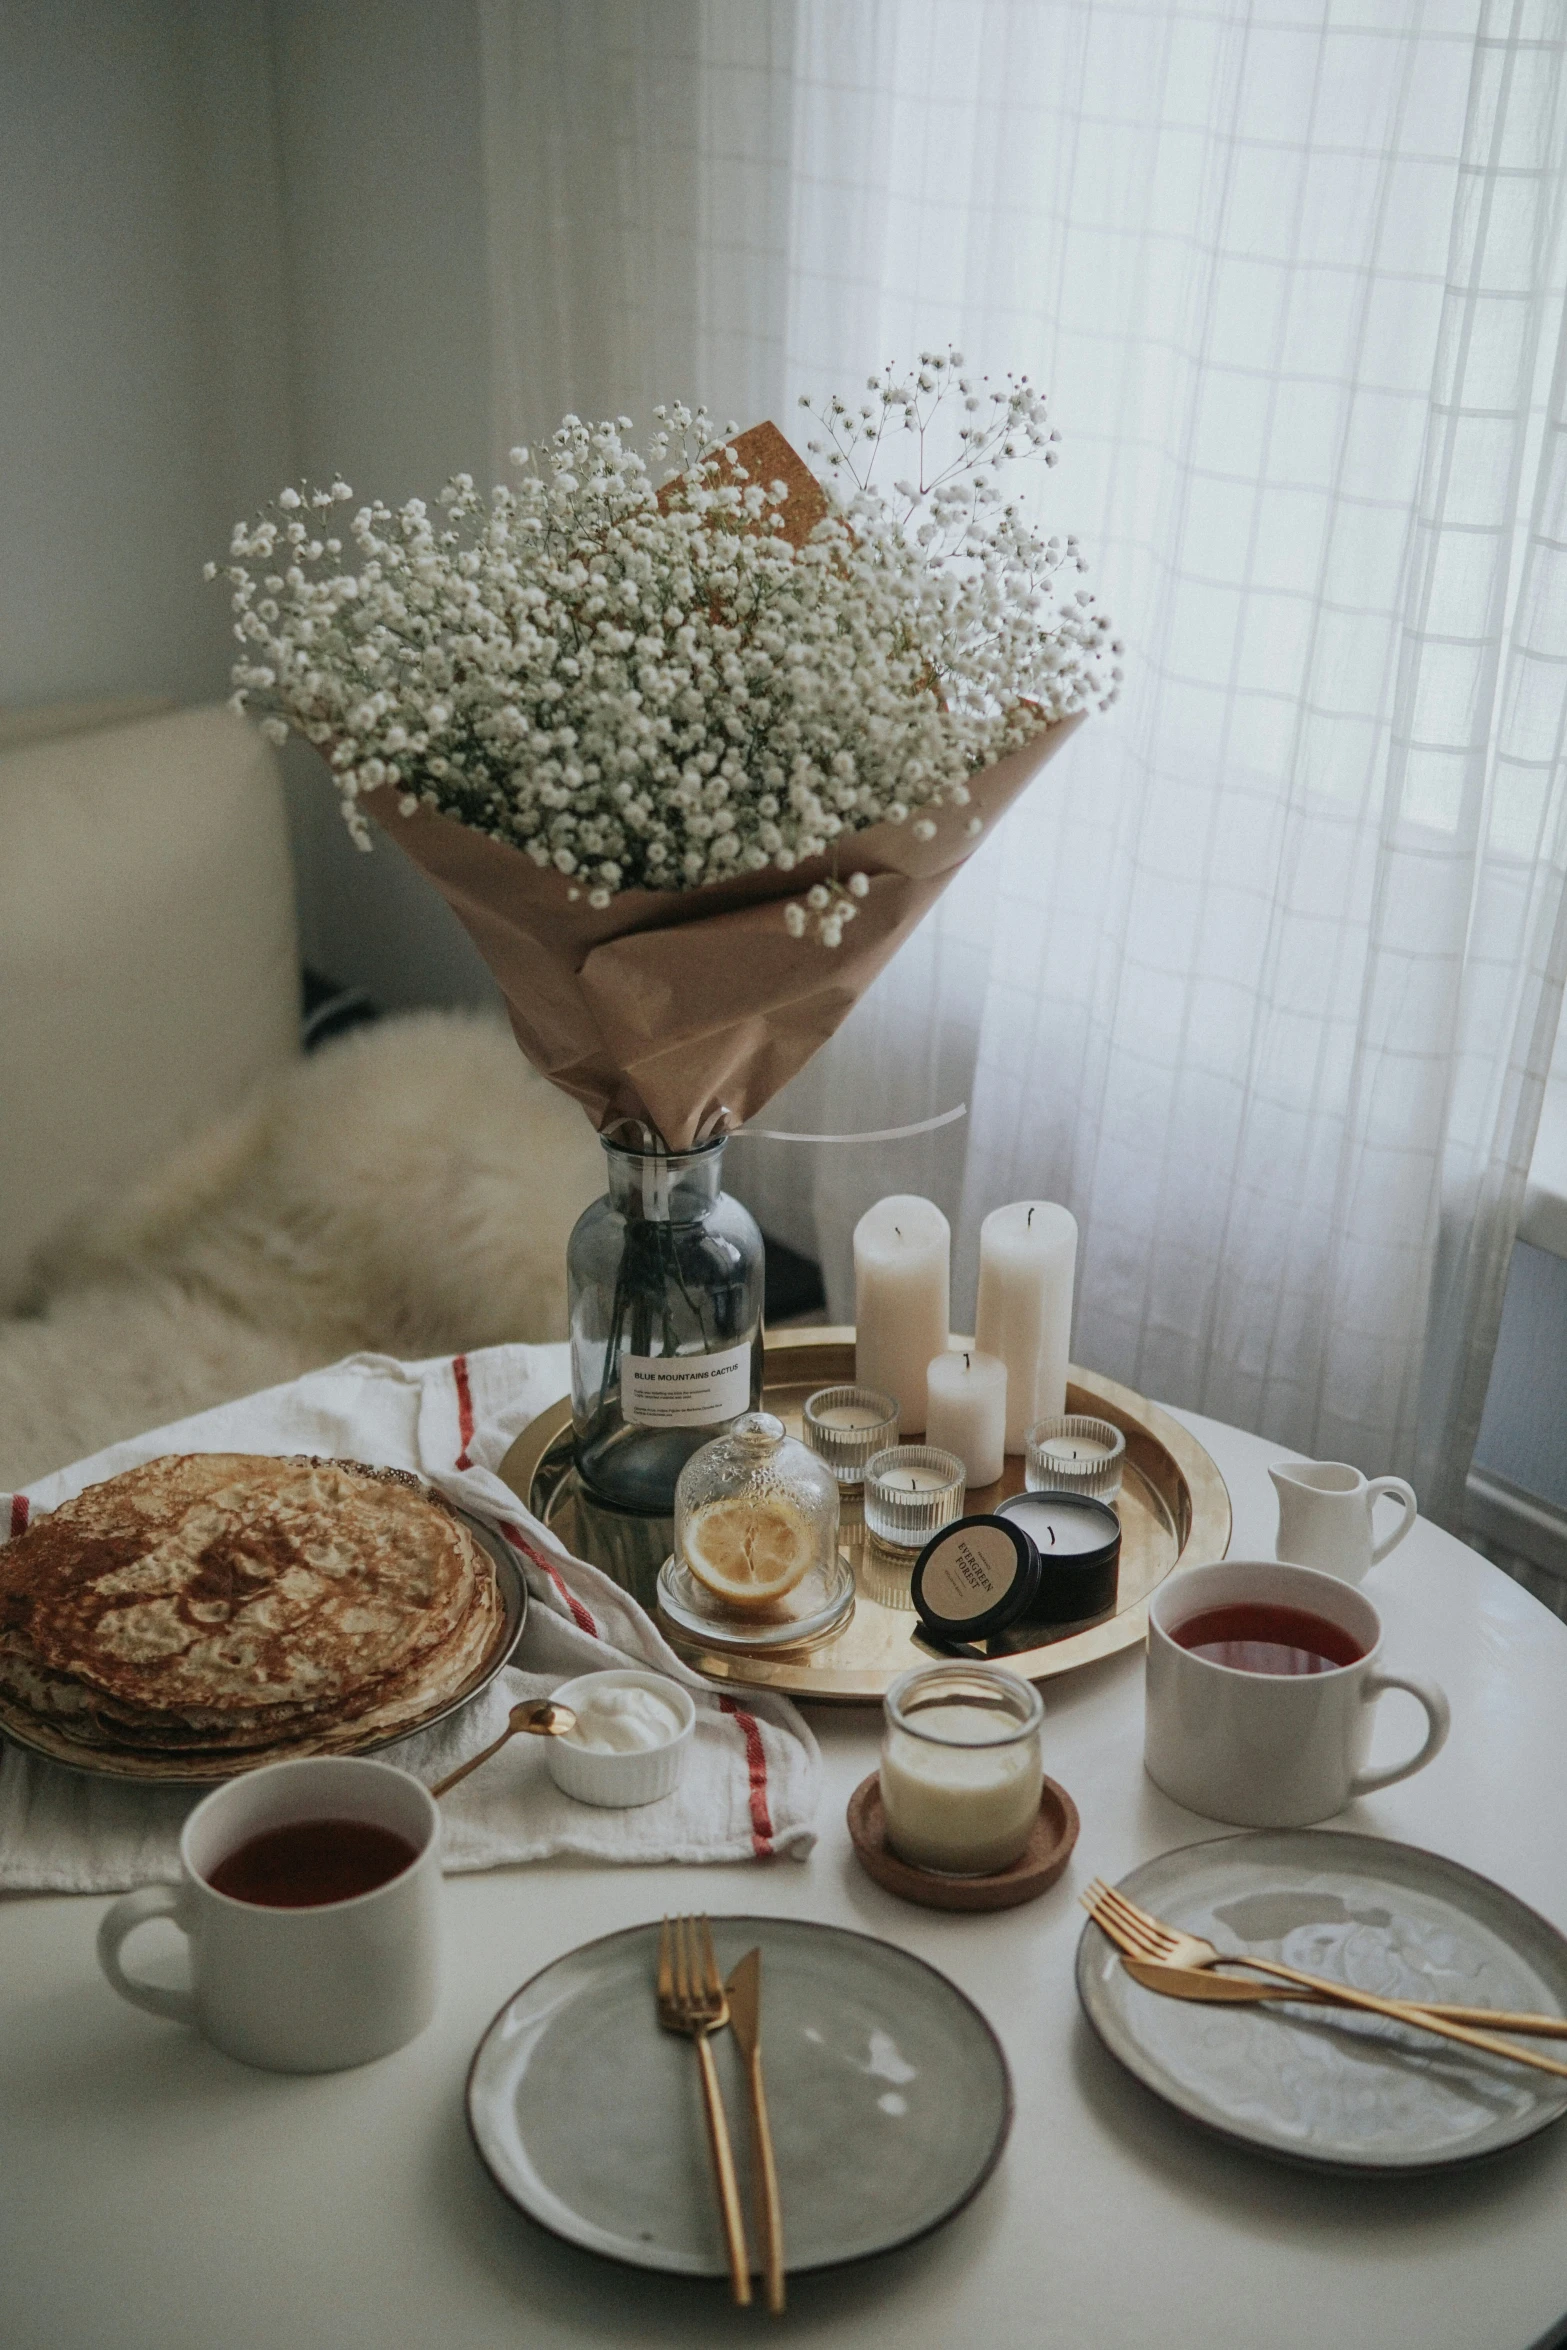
(847, 1426)
(1075, 1455)
(911, 1492)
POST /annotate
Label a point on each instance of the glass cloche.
(756, 1560)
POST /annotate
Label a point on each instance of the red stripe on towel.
(756, 1769)
(464, 1410)
(21, 1511)
(519, 1541)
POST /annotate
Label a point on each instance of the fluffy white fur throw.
(408, 1190)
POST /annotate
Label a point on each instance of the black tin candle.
(973, 1579)
(1077, 1541)
(1039, 1558)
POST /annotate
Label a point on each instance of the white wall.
(378, 114)
(238, 239)
(111, 475)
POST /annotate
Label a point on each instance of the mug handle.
(150, 1901)
(1396, 1490)
(1439, 1721)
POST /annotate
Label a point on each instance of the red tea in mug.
(306, 1863)
(1263, 1636)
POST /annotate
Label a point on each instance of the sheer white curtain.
(1262, 977)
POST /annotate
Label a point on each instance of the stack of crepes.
(226, 1609)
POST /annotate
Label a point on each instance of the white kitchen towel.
(750, 1783)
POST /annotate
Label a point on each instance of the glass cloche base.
(816, 1608)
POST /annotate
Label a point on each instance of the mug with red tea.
(306, 1863)
(309, 1894)
(1259, 1636)
(1262, 1682)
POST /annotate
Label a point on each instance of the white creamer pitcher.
(1325, 1512)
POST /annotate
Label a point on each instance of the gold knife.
(1189, 1982)
(744, 1991)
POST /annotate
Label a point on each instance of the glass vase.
(664, 1279)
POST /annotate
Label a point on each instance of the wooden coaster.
(1043, 1858)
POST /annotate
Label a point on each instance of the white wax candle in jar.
(961, 1768)
(1066, 1528)
(902, 1271)
(1071, 1450)
(966, 1411)
(1027, 1263)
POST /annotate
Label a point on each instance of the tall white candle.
(902, 1270)
(966, 1411)
(1027, 1260)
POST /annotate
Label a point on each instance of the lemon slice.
(748, 1551)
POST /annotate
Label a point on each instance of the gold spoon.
(542, 1719)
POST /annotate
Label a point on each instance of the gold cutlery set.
(1180, 1966)
(694, 1999)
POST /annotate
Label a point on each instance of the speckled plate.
(887, 2091)
(1350, 2092)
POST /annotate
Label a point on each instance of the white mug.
(1325, 1510)
(1270, 1750)
(298, 1990)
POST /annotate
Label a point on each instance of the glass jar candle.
(847, 1425)
(961, 1768)
(664, 1286)
(911, 1492)
(1075, 1454)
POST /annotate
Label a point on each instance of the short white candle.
(902, 1271)
(966, 1411)
(915, 1480)
(1027, 1261)
(1073, 1448)
(968, 1804)
(848, 1415)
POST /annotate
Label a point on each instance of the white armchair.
(149, 972)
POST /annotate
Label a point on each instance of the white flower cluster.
(656, 689)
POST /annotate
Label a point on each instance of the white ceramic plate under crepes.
(1323, 2085)
(887, 2091)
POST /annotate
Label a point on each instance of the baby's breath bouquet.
(688, 759)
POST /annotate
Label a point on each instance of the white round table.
(156, 2196)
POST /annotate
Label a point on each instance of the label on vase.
(685, 1391)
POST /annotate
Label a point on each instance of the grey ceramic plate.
(1351, 2092)
(888, 2094)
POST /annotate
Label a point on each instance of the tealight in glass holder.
(1075, 1455)
(911, 1492)
(847, 1426)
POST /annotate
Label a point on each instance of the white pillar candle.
(966, 1411)
(1027, 1260)
(902, 1268)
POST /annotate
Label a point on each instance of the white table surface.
(153, 2192)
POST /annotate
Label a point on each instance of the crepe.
(226, 1604)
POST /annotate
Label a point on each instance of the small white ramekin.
(617, 1781)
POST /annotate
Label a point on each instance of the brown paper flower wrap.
(689, 1009)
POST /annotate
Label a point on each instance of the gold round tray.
(1173, 1505)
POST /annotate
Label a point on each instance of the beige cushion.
(148, 963)
(36, 722)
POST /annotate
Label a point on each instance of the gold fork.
(691, 2000)
(1133, 1930)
